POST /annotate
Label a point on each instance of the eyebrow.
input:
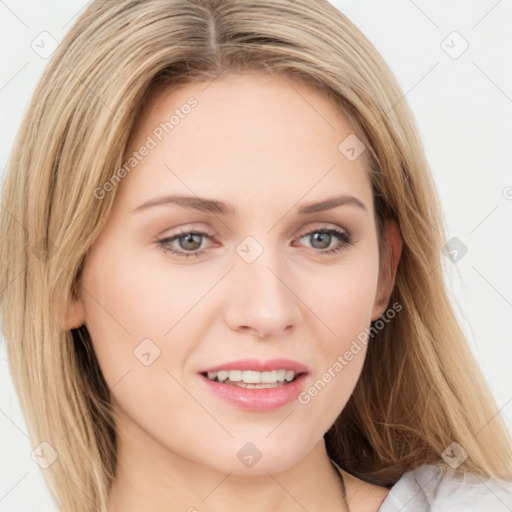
(221, 208)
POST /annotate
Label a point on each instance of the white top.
(427, 489)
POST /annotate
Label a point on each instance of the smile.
(252, 379)
(256, 396)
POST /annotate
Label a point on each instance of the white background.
(463, 107)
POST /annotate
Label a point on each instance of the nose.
(262, 301)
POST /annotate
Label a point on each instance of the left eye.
(190, 241)
(325, 237)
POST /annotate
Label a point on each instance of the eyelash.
(344, 236)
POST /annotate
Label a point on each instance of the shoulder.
(428, 488)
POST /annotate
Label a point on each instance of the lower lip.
(257, 399)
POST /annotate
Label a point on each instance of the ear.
(389, 262)
(71, 315)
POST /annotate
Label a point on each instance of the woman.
(221, 258)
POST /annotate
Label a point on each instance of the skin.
(267, 148)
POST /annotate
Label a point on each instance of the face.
(173, 288)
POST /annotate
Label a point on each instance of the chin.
(257, 457)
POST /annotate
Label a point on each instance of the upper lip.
(259, 365)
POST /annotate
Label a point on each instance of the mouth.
(254, 384)
(255, 396)
(251, 379)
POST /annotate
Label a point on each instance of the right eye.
(189, 241)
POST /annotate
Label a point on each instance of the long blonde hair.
(420, 388)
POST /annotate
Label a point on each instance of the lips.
(263, 400)
(249, 399)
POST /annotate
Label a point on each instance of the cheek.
(129, 298)
(342, 299)
(129, 309)
(122, 311)
(145, 319)
(344, 304)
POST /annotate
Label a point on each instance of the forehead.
(246, 136)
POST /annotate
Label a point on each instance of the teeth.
(268, 377)
(251, 377)
(235, 375)
(222, 375)
(289, 375)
